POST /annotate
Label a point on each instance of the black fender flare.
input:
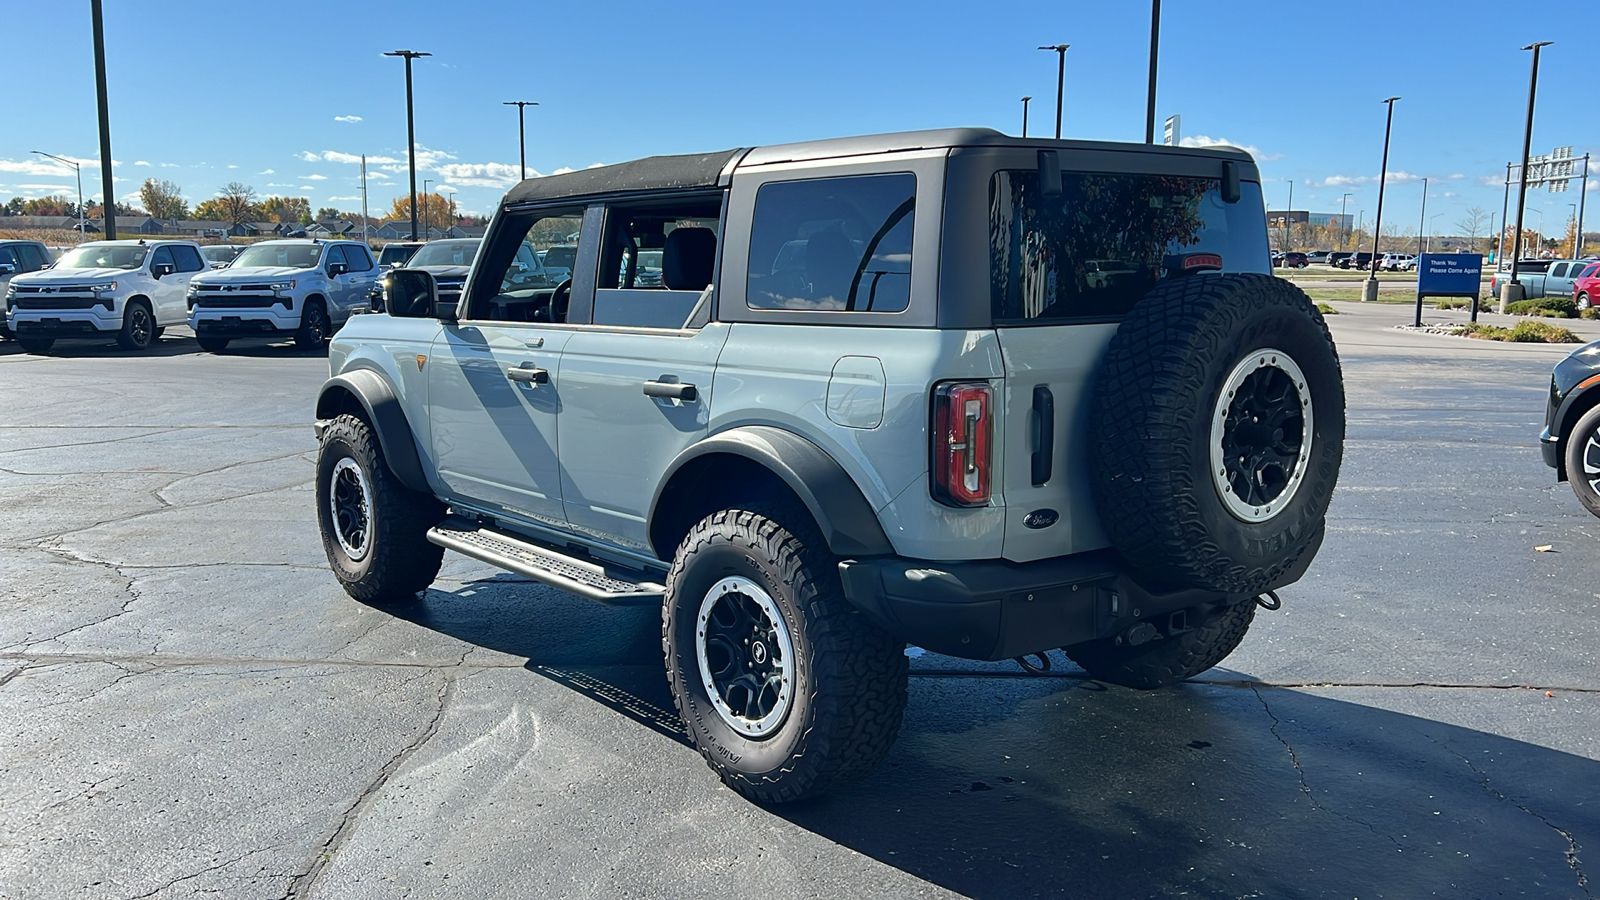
(1573, 406)
(387, 417)
(847, 521)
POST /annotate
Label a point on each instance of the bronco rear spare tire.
(1218, 432)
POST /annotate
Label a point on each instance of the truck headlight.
(282, 286)
(102, 288)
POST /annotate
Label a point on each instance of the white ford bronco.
(984, 395)
(299, 288)
(130, 290)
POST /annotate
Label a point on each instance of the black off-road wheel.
(374, 529)
(1167, 659)
(1583, 460)
(138, 327)
(783, 686)
(1218, 426)
(36, 344)
(314, 328)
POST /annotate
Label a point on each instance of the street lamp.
(1512, 291)
(453, 218)
(1344, 218)
(522, 135)
(1369, 290)
(1025, 115)
(1155, 44)
(76, 171)
(1287, 216)
(1430, 231)
(427, 220)
(411, 132)
(1061, 79)
(1574, 221)
(108, 191)
(1422, 220)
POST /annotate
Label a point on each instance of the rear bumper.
(993, 609)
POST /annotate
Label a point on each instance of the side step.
(584, 577)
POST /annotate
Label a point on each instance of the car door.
(636, 383)
(173, 309)
(167, 289)
(359, 279)
(494, 392)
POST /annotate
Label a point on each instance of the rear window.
(1094, 251)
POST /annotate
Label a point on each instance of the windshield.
(293, 256)
(650, 259)
(221, 253)
(103, 256)
(395, 254)
(445, 253)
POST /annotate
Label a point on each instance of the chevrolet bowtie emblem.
(420, 360)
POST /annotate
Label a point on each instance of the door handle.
(670, 390)
(1044, 443)
(527, 373)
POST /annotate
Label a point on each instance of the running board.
(584, 577)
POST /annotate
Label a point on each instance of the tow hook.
(1269, 601)
(1030, 668)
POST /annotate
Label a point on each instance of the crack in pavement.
(1305, 786)
(207, 870)
(307, 879)
(1571, 853)
(80, 794)
(130, 589)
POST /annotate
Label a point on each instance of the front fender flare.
(840, 510)
(387, 417)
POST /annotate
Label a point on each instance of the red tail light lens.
(963, 429)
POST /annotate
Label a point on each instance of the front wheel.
(314, 329)
(1583, 460)
(138, 328)
(212, 344)
(374, 529)
(784, 687)
(36, 344)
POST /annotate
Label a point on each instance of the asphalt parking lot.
(190, 704)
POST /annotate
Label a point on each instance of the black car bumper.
(58, 328)
(232, 327)
(994, 609)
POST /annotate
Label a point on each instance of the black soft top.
(694, 170)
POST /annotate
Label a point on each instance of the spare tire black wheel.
(1218, 432)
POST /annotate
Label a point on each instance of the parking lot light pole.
(1422, 220)
(1512, 291)
(1583, 194)
(107, 191)
(1061, 79)
(1155, 45)
(522, 134)
(1344, 218)
(1369, 290)
(1505, 220)
(427, 220)
(76, 170)
(411, 132)
(1287, 213)
(1430, 232)
(1025, 115)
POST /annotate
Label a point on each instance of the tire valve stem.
(1270, 601)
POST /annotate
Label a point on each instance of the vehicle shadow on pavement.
(1004, 786)
(166, 347)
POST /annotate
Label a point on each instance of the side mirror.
(161, 270)
(7, 269)
(522, 267)
(410, 294)
(337, 269)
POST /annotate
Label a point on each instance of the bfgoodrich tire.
(374, 529)
(1583, 460)
(1167, 659)
(783, 686)
(1218, 426)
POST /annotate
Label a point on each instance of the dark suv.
(1570, 441)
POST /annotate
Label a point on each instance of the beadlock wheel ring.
(1261, 435)
(746, 657)
(350, 506)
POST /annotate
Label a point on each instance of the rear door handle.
(527, 373)
(1044, 442)
(670, 390)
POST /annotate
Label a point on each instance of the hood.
(73, 276)
(444, 271)
(252, 274)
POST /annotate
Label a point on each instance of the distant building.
(1275, 219)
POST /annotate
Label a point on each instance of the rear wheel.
(138, 327)
(1163, 659)
(1583, 300)
(784, 687)
(212, 344)
(1583, 460)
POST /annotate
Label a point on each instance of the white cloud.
(565, 169)
(41, 166)
(1201, 140)
(47, 187)
(317, 177)
(169, 165)
(1455, 176)
(490, 174)
(1449, 194)
(1358, 180)
(267, 172)
(140, 162)
(305, 187)
(355, 197)
(375, 174)
(309, 156)
(347, 118)
(232, 166)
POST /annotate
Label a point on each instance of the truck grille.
(234, 301)
(52, 302)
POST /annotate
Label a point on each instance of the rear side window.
(358, 257)
(1099, 247)
(833, 244)
(188, 259)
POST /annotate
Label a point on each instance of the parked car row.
(1340, 259)
(1553, 278)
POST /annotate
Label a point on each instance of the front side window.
(833, 244)
(507, 289)
(292, 256)
(163, 257)
(6, 257)
(1095, 250)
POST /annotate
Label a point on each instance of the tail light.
(963, 429)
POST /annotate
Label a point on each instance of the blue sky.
(283, 95)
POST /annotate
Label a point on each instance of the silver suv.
(985, 395)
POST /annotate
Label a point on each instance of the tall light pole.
(1344, 218)
(1505, 219)
(411, 132)
(1512, 291)
(1583, 194)
(1288, 218)
(427, 219)
(1369, 290)
(76, 170)
(107, 191)
(1422, 221)
(1494, 241)
(1574, 221)
(451, 223)
(522, 135)
(1155, 44)
(1061, 79)
(1430, 231)
(1025, 115)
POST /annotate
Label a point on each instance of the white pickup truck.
(130, 289)
(1542, 277)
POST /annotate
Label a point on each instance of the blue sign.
(1444, 274)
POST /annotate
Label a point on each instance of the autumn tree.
(233, 204)
(287, 209)
(432, 210)
(163, 199)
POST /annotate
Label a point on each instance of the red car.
(1586, 287)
